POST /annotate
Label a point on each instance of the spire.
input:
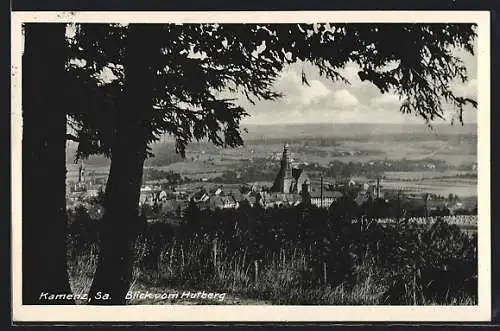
(81, 172)
(285, 162)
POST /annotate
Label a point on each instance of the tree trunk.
(44, 225)
(120, 222)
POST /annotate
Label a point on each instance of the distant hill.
(258, 134)
(354, 130)
(164, 155)
(97, 160)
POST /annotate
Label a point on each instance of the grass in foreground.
(280, 283)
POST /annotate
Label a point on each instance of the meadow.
(322, 144)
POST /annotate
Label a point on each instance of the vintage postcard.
(251, 166)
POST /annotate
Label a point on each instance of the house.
(373, 188)
(200, 196)
(92, 193)
(325, 199)
(222, 202)
(162, 196)
(275, 199)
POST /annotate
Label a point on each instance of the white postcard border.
(481, 312)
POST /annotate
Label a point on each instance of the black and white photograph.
(265, 166)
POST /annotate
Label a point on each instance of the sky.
(325, 101)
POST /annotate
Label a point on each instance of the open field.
(447, 175)
(321, 144)
(462, 188)
(456, 143)
(195, 169)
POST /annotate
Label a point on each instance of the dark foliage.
(417, 264)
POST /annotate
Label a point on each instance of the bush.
(305, 255)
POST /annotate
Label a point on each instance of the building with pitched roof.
(326, 198)
(290, 180)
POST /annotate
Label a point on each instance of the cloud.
(337, 100)
(325, 101)
(386, 99)
(295, 92)
(345, 99)
(467, 89)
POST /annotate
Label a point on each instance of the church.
(290, 180)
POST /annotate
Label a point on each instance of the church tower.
(285, 162)
(285, 181)
(81, 173)
(286, 167)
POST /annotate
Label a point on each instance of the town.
(165, 195)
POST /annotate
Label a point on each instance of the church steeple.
(285, 162)
(81, 173)
(286, 171)
(285, 181)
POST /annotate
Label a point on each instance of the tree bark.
(44, 225)
(120, 222)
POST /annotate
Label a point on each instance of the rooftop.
(327, 194)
